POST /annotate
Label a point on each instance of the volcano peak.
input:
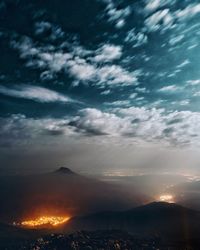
(65, 170)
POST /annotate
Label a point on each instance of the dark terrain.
(59, 191)
(153, 226)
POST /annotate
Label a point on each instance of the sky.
(102, 86)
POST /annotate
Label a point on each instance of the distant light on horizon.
(167, 198)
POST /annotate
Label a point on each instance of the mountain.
(64, 170)
(170, 221)
(60, 192)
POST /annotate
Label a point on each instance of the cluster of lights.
(45, 220)
(167, 198)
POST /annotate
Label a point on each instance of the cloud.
(106, 92)
(115, 14)
(119, 103)
(93, 121)
(129, 124)
(18, 129)
(152, 5)
(190, 11)
(176, 39)
(114, 75)
(161, 19)
(82, 70)
(133, 122)
(35, 93)
(136, 38)
(44, 28)
(183, 64)
(184, 102)
(108, 52)
(142, 90)
(170, 88)
(156, 124)
(41, 27)
(79, 63)
(133, 95)
(142, 124)
(197, 93)
(194, 82)
(164, 19)
(108, 75)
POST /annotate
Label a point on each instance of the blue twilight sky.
(83, 74)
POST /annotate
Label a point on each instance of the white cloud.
(133, 95)
(138, 124)
(116, 15)
(55, 61)
(20, 130)
(35, 93)
(109, 75)
(108, 52)
(136, 38)
(184, 102)
(161, 19)
(115, 75)
(106, 92)
(170, 88)
(190, 11)
(197, 93)
(179, 128)
(82, 70)
(43, 27)
(119, 103)
(81, 64)
(142, 90)
(194, 82)
(176, 127)
(135, 122)
(183, 64)
(176, 39)
(152, 5)
(95, 122)
(141, 98)
(120, 23)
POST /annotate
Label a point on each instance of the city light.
(45, 220)
(166, 198)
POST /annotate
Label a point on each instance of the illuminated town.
(44, 220)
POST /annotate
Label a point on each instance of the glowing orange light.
(167, 198)
(45, 220)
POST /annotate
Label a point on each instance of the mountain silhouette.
(65, 170)
(60, 191)
(170, 221)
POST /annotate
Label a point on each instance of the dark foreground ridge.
(101, 240)
(157, 225)
(168, 220)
